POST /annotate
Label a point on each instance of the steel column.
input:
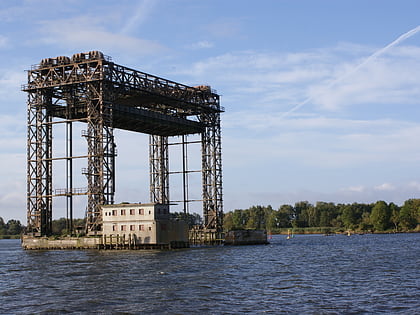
(101, 155)
(39, 170)
(159, 169)
(212, 172)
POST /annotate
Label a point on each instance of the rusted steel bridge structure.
(90, 88)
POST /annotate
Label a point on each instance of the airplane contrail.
(376, 54)
(140, 14)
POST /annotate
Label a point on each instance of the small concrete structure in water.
(246, 237)
(125, 226)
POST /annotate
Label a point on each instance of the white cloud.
(13, 186)
(358, 189)
(87, 33)
(325, 78)
(391, 79)
(10, 83)
(385, 187)
(203, 44)
(414, 185)
(13, 200)
(4, 42)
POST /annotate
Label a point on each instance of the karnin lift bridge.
(90, 88)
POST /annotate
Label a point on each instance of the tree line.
(326, 216)
(374, 217)
(12, 227)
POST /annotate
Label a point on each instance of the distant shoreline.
(308, 231)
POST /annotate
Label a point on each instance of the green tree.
(190, 219)
(395, 215)
(228, 221)
(365, 223)
(59, 226)
(14, 227)
(301, 213)
(285, 216)
(351, 215)
(380, 216)
(327, 212)
(239, 219)
(256, 218)
(271, 219)
(311, 215)
(3, 228)
(409, 214)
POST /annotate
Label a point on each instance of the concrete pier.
(36, 243)
(108, 243)
(246, 237)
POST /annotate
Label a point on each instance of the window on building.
(141, 227)
(114, 227)
(150, 228)
(150, 212)
(114, 212)
(141, 211)
(132, 227)
(132, 211)
(123, 228)
(122, 211)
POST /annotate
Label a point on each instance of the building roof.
(131, 205)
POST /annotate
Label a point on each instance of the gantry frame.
(92, 89)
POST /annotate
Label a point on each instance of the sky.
(321, 98)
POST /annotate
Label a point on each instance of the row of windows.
(139, 227)
(133, 212)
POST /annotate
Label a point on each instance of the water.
(306, 275)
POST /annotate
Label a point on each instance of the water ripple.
(305, 275)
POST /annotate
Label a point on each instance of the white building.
(143, 223)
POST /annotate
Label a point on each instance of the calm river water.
(305, 275)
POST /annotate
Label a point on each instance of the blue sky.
(352, 138)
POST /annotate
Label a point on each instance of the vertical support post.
(69, 176)
(185, 174)
(39, 170)
(101, 155)
(159, 169)
(212, 172)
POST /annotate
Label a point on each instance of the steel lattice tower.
(91, 89)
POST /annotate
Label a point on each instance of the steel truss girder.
(157, 93)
